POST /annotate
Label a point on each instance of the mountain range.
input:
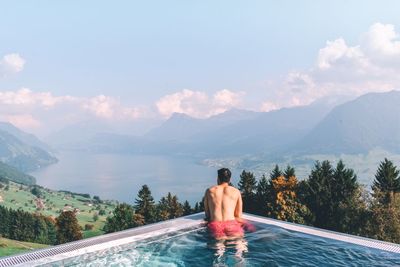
(23, 151)
(327, 126)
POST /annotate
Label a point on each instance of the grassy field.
(18, 196)
(10, 247)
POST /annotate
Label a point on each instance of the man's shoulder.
(212, 188)
(234, 189)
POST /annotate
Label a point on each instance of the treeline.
(145, 210)
(330, 198)
(37, 228)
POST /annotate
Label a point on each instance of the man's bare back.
(223, 203)
(223, 208)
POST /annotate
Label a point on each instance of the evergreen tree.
(163, 210)
(176, 209)
(387, 182)
(263, 194)
(196, 208)
(67, 227)
(334, 198)
(318, 193)
(123, 218)
(275, 173)
(385, 208)
(187, 209)
(289, 172)
(144, 204)
(248, 186)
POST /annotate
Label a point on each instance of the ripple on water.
(268, 246)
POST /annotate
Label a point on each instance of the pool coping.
(106, 241)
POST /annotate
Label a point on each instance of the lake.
(119, 177)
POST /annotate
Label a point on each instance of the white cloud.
(341, 69)
(102, 106)
(11, 63)
(25, 96)
(198, 104)
(23, 121)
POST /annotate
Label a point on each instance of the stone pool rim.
(106, 241)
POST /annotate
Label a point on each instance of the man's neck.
(224, 184)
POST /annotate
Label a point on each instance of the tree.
(247, 186)
(275, 173)
(289, 172)
(187, 209)
(347, 205)
(123, 218)
(263, 195)
(385, 208)
(176, 209)
(95, 216)
(67, 227)
(387, 182)
(163, 209)
(334, 197)
(36, 191)
(284, 205)
(169, 208)
(318, 193)
(144, 204)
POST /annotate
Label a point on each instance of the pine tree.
(334, 198)
(345, 198)
(318, 193)
(262, 195)
(187, 209)
(67, 227)
(275, 173)
(123, 218)
(144, 204)
(196, 208)
(163, 210)
(248, 186)
(387, 182)
(289, 172)
(176, 209)
(385, 208)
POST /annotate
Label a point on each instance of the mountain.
(79, 135)
(10, 173)
(238, 132)
(27, 138)
(368, 122)
(22, 156)
(183, 127)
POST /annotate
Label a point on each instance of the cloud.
(372, 65)
(23, 121)
(25, 96)
(198, 104)
(11, 63)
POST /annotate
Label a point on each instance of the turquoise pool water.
(267, 246)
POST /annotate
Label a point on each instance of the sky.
(136, 62)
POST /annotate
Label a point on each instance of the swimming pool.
(185, 242)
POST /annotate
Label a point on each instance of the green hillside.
(51, 203)
(10, 247)
(11, 173)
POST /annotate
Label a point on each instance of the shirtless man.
(223, 208)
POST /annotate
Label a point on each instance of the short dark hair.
(224, 175)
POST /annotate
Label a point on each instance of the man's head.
(224, 175)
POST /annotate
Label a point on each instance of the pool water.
(267, 246)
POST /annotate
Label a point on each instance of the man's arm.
(206, 209)
(239, 208)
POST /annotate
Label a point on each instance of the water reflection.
(229, 252)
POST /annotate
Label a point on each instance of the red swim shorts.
(230, 228)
